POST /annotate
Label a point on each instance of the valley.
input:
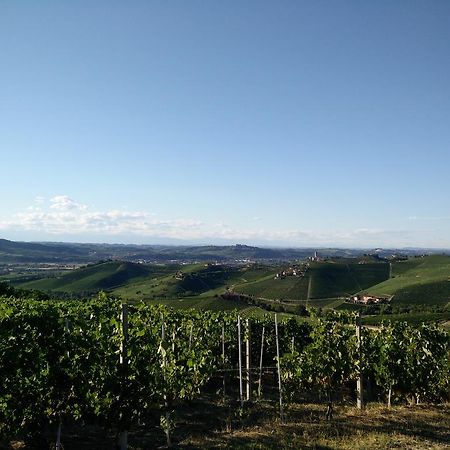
(417, 287)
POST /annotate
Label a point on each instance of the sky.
(292, 123)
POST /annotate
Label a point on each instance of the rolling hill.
(61, 252)
(422, 280)
(323, 280)
(96, 277)
(192, 280)
(331, 279)
(416, 281)
(12, 252)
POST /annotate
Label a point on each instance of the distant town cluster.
(369, 299)
(294, 271)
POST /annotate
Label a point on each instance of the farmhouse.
(294, 271)
(368, 299)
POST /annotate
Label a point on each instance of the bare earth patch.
(377, 427)
(208, 425)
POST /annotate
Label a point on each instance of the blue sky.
(323, 123)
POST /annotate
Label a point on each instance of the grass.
(417, 282)
(434, 293)
(97, 277)
(210, 425)
(328, 280)
(288, 288)
(197, 279)
(415, 272)
(341, 279)
(374, 428)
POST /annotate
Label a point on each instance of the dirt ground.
(208, 425)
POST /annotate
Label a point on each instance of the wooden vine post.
(241, 397)
(261, 362)
(166, 401)
(123, 436)
(223, 363)
(359, 380)
(190, 336)
(279, 370)
(248, 362)
(58, 445)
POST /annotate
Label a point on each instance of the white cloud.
(63, 216)
(428, 218)
(65, 203)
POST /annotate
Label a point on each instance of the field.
(341, 279)
(419, 286)
(98, 277)
(144, 282)
(322, 280)
(417, 281)
(288, 288)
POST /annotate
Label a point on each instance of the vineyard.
(122, 366)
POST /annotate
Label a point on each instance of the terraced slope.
(341, 279)
(326, 284)
(191, 280)
(103, 276)
(418, 281)
(328, 280)
(267, 287)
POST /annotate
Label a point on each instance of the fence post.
(166, 401)
(248, 361)
(261, 362)
(190, 336)
(123, 436)
(279, 370)
(223, 363)
(58, 445)
(241, 398)
(359, 381)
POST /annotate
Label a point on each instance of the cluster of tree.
(6, 290)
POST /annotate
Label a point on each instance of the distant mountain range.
(12, 252)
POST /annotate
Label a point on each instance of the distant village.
(293, 271)
(297, 270)
(365, 299)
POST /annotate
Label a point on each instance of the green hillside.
(145, 282)
(341, 279)
(60, 252)
(424, 280)
(191, 280)
(323, 280)
(417, 281)
(104, 276)
(267, 287)
(329, 279)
